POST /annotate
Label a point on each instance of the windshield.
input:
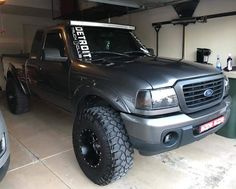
(95, 42)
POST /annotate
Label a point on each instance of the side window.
(54, 47)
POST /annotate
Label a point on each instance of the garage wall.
(218, 34)
(17, 29)
(19, 34)
(44, 4)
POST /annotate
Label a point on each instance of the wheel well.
(91, 101)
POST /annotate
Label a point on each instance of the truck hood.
(158, 72)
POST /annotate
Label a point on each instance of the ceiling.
(101, 9)
(36, 8)
(139, 3)
(82, 9)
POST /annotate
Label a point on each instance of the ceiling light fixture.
(2, 2)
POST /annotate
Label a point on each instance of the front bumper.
(147, 134)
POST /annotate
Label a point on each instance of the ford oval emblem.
(208, 93)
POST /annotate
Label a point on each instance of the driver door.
(54, 70)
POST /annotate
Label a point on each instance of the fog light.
(170, 138)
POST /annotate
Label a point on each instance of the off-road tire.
(116, 152)
(17, 101)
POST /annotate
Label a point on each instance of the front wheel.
(101, 145)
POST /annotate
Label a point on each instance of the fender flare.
(12, 72)
(107, 94)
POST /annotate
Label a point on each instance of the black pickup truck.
(121, 95)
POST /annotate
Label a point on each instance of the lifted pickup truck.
(122, 96)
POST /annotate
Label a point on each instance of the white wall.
(144, 30)
(218, 34)
(19, 33)
(13, 41)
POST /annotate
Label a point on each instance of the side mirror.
(151, 51)
(53, 55)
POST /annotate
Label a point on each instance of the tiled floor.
(42, 157)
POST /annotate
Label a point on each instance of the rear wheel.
(18, 102)
(101, 145)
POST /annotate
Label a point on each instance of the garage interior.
(41, 143)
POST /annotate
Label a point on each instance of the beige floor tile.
(42, 116)
(211, 147)
(230, 177)
(20, 156)
(45, 130)
(147, 173)
(52, 116)
(171, 170)
(25, 128)
(35, 176)
(66, 167)
(47, 143)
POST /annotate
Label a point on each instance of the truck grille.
(194, 93)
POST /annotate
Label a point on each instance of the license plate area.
(209, 125)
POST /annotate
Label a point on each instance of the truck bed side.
(14, 66)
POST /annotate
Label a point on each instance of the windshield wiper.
(136, 52)
(109, 52)
(107, 57)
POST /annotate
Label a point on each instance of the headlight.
(156, 99)
(227, 86)
(3, 144)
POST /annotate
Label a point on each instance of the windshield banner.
(81, 44)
